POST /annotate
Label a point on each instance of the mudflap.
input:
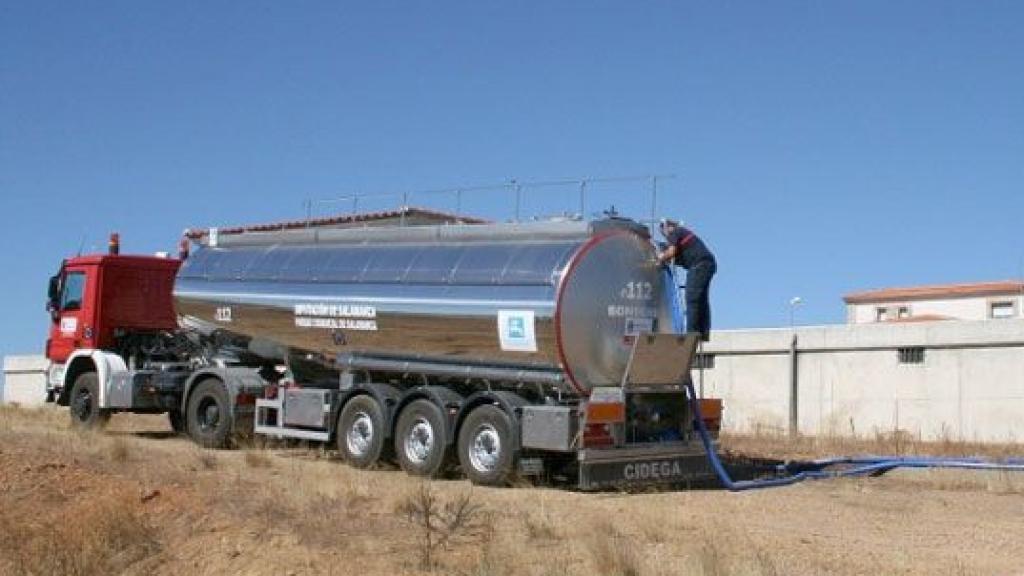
(678, 465)
(243, 422)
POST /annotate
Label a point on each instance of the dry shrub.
(710, 559)
(7, 415)
(996, 482)
(766, 564)
(1006, 483)
(49, 416)
(540, 528)
(119, 450)
(103, 534)
(257, 459)
(493, 559)
(288, 500)
(724, 554)
(206, 459)
(612, 553)
(441, 524)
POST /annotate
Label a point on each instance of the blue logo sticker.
(516, 328)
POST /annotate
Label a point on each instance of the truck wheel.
(485, 446)
(420, 439)
(361, 432)
(176, 420)
(85, 403)
(209, 414)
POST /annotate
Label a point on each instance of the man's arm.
(669, 253)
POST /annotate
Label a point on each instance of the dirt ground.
(138, 500)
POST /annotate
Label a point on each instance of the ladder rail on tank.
(516, 189)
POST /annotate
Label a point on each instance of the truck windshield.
(74, 285)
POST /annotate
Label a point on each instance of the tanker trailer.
(542, 348)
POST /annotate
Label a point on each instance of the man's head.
(667, 225)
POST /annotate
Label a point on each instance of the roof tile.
(936, 292)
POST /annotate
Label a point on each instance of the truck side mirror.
(53, 296)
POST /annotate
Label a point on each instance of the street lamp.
(793, 303)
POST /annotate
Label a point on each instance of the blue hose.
(816, 469)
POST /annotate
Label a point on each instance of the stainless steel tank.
(564, 296)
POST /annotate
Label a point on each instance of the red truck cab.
(96, 300)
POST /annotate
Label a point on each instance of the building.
(894, 367)
(931, 380)
(24, 380)
(974, 301)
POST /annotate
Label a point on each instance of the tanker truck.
(496, 349)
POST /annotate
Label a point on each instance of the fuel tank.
(561, 296)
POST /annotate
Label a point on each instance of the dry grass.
(257, 459)
(726, 555)
(101, 534)
(158, 505)
(612, 553)
(771, 443)
(119, 450)
(540, 528)
(205, 459)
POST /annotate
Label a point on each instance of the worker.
(690, 252)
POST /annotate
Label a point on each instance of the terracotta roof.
(420, 214)
(936, 291)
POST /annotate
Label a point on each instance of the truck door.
(72, 312)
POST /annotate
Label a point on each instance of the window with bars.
(911, 355)
(1002, 309)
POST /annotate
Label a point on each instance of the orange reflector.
(711, 413)
(605, 413)
(711, 408)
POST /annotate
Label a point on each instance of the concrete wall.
(964, 308)
(24, 380)
(969, 386)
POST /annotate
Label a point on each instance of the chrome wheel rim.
(360, 435)
(419, 442)
(485, 449)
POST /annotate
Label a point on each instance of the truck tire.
(84, 405)
(485, 446)
(176, 420)
(421, 443)
(361, 432)
(208, 417)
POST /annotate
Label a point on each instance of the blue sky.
(819, 147)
